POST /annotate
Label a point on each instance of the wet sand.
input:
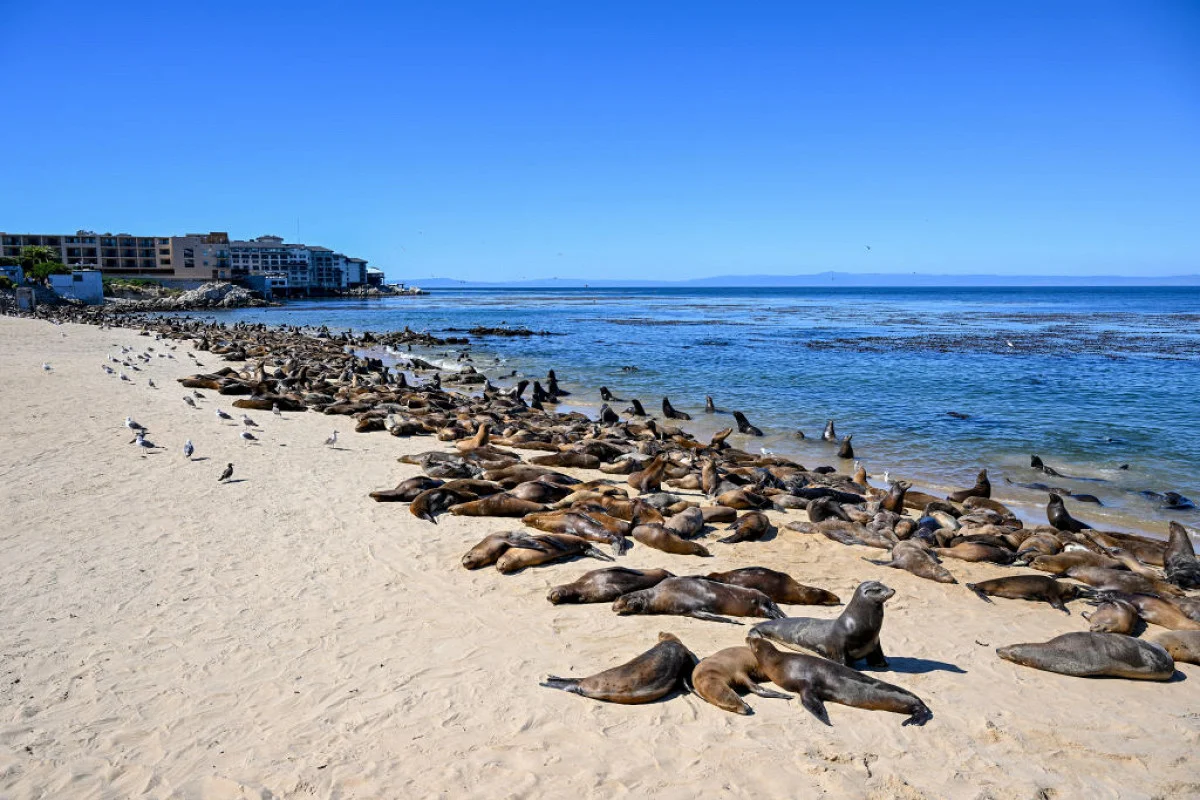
(284, 636)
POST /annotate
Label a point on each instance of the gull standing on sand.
(150, 383)
(134, 426)
(332, 440)
(46, 366)
(227, 474)
(197, 395)
(275, 410)
(124, 377)
(143, 442)
(222, 415)
(248, 422)
(189, 401)
(107, 369)
(249, 437)
(188, 449)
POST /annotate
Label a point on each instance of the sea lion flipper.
(875, 658)
(566, 684)
(979, 592)
(596, 553)
(761, 692)
(814, 704)
(705, 615)
(1061, 606)
(876, 561)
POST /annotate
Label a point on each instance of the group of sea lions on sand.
(646, 465)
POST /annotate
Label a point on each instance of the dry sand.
(283, 636)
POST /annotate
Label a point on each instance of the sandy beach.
(283, 636)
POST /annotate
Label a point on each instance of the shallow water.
(1088, 378)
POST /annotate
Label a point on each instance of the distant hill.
(818, 279)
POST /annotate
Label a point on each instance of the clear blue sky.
(619, 140)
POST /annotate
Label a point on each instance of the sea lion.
(1094, 655)
(744, 426)
(635, 408)
(686, 523)
(496, 505)
(718, 514)
(743, 499)
(1160, 611)
(1183, 646)
(1112, 616)
(608, 396)
(817, 681)
(846, 450)
(699, 598)
(494, 545)
(1059, 563)
(1031, 587)
(912, 557)
(649, 479)
(824, 508)
(670, 413)
(1035, 462)
(751, 527)
(1056, 512)
(660, 538)
(1120, 580)
(982, 488)
(830, 435)
(718, 677)
(779, 586)
(1179, 559)
(894, 501)
(853, 635)
(606, 585)
(558, 547)
(976, 551)
(407, 490)
(431, 502)
(592, 525)
(649, 677)
(541, 492)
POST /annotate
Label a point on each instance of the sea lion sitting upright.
(649, 479)
(830, 435)
(1094, 655)
(606, 585)
(982, 488)
(718, 677)
(1031, 587)
(1179, 559)
(651, 676)
(779, 586)
(817, 681)
(894, 501)
(1056, 512)
(853, 635)
(635, 408)
(744, 426)
(846, 450)
(699, 598)
(670, 413)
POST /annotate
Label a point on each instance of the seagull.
(197, 395)
(887, 477)
(275, 410)
(125, 377)
(134, 426)
(1009, 343)
(107, 369)
(249, 437)
(766, 452)
(143, 442)
(188, 449)
(150, 381)
(248, 422)
(222, 415)
(332, 440)
(226, 474)
(189, 401)
(46, 366)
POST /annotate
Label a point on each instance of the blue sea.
(1090, 379)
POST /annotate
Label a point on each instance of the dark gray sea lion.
(1056, 512)
(607, 415)
(494, 545)
(1172, 501)
(744, 426)
(699, 598)
(1179, 559)
(750, 527)
(1031, 587)
(407, 490)
(718, 678)
(894, 501)
(779, 586)
(1183, 646)
(818, 681)
(686, 523)
(635, 408)
(853, 635)
(830, 435)
(1035, 462)
(846, 450)
(1094, 655)
(824, 508)
(606, 585)
(912, 557)
(982, 488)
(649, 677)
(670, 413)
(431, 502)
(608, 396)
(1113, 616)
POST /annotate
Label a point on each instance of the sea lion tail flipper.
(1061, 606)
(527, 542)
(706, 615)
(880, 563)
(919, 717)
(775, 612)
(814, 704)
(975, 588)
(593, 552)
(761, 692)
(566, 684)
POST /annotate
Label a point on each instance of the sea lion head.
(875, 592)
(560, 594)
(632, 603)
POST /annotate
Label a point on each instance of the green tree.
(43, 270)
(34, 254)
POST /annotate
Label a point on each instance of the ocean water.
(1088, 378)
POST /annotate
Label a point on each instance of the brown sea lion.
(976, 551)
(846, 450)
(1120, 580)
(560, 546)
(1161, 611)
(854, 634)
(496, 505)
(1041, 588)
(1059, 563)
(779, 586)
(718, 678)
(987, 503)
(407, 490)
(894, 501)
(818, 681)
(649, 677)
(1113, 616)
(431, 502)
(649, 479)
(699, 598)
(567, 459)
(743, 499)
(718, 514)
(494, 545)
(982, 488)
(1180, 559)
(1094, 655)
(710, 477)
(751, 527)
(1184, 646)
(913, 557)
(687, 523)
(542, 492)
(660, 538)
(606, 585)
